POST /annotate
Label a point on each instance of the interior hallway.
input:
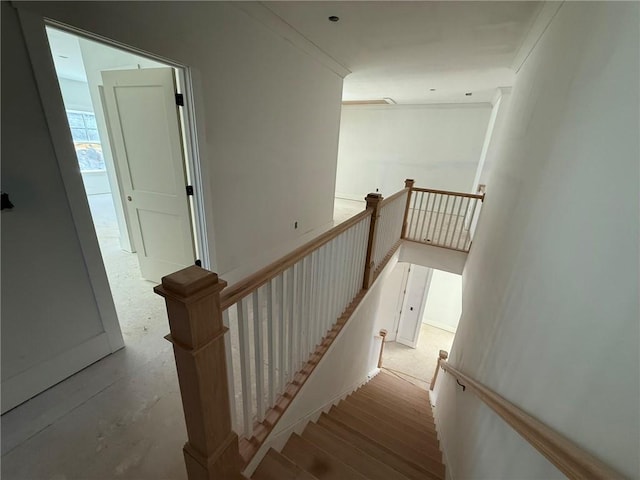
(122, 416)
(417, 364)
(118, 418)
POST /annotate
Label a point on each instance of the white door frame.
(422, 306)
(400, 302)
(33, 27)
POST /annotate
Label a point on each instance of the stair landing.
(383, 431)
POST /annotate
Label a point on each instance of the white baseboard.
(277, 442)
(442, 326)
(38, 378)
(350, 196)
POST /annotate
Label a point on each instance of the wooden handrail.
(570, 459)
(383, 334)
(446, 192)
(442, 356)
(244, 287)
(390, 199)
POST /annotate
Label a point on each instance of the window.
(84, 132)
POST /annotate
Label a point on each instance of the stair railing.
(570, 459)
(441, 218)
(254, 344)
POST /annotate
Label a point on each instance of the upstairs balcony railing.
(442, 218)
(244, 352)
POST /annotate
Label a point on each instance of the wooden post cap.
(189, 281)
(373, 199)
(408, 183)
(443, 354)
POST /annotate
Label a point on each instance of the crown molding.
(546, 14)
(262, 14)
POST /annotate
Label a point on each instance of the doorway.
(131, 136)
(426, 308)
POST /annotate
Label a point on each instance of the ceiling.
(417, 52)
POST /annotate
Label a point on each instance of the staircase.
(383, 431)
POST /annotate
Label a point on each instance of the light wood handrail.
(447, 192)
(238, 291)
(393, 197)
(442, 356)
(570, 459)
(383, 334)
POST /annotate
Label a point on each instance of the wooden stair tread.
(399, 386)
(383, 431)
(406, 396)
(350, 454)
(393, 438)
(395, 380)
(411, 413)
(388, 394)
(374, 449)
(387, 416)
(422, 409)
(316, 461)
(399, 446)
(275, 466)
(422, 442)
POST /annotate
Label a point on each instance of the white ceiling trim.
(418, 106)
(273, 22)
(547, 12)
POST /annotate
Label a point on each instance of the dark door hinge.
(180, 99)
(190, 190)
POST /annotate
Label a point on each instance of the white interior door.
(147, 144)
(413, 305)
(391, 298)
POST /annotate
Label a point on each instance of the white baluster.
(290, 323)
(271, 344)
(245, 368)
(281, 332)
(228, 351)
(258, 348)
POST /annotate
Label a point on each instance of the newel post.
(373, 201)
(383, 334)
(441, 358)
(408, 183)
(192, 297)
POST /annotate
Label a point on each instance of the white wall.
(267, 114)
(444, 301)
(437, 145)
(268, 126)
(550, 307)
(48, 307)
(491, 140)
(76, 95)
(433, 257)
